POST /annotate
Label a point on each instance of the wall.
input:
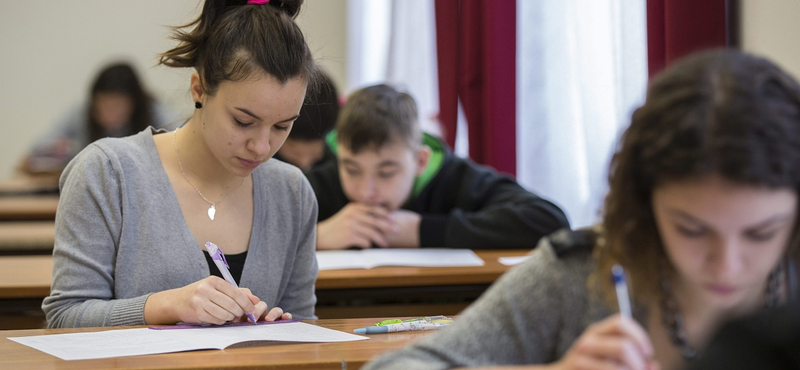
(770, 28)
(51, 50)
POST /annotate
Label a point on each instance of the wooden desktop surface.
(389, 276)
(24, 236)
(28, 207)
(273, 356)
(30, 276)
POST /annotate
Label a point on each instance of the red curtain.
(676, 28)
(476, 49)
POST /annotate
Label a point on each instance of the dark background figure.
(305, 147)
(117, 106)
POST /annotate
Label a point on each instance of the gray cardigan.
(120, 236)
(531, 315)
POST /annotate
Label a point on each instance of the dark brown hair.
(719, 112)
(378, 115)
(232, 40)
(120, 78)
(319, 112)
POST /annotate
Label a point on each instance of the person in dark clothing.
(393, 186)
(769, 340)
(305, 146)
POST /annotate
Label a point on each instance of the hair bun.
(290, 7)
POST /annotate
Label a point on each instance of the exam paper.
(369, 258)
(512, 261)
(134, 342)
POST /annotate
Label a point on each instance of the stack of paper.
(369, 258)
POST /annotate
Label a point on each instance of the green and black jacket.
(463, 204)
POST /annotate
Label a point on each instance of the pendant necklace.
(212, 211)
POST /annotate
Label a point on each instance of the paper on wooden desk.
(369, 258)
(134, 342)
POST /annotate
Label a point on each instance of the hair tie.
(257, 2)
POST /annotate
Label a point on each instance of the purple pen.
(222, 265)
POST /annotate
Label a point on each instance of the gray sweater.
(120, 236)
(531, 315)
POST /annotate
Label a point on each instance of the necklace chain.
(673, 320)
(213, 209)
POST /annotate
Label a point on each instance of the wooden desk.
(274, 356)
(28, 185)
(406, 291)
(25, 276)
(382, 291)
(28, 207)
(27, 237)
(30, 276)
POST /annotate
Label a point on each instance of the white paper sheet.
(369, 258)
(134, 342)
(511, 261)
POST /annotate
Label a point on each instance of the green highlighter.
(398, 321)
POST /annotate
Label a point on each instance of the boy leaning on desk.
(393, 186)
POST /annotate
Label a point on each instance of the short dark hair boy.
(394, 186)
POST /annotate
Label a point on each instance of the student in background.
(135, 213)
(701, 213)
(305, 147)
(393, 186)
(118, 106)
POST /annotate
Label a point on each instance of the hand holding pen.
(618, 341)
(211, 300)
(219, 260)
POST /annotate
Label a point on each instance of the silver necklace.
(212, 211)
(673, 320)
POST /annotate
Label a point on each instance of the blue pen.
(624, 301)
(222, 265)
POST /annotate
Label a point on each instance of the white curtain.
(394, 41)
(581, 70)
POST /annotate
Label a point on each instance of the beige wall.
(770, 28)
(50, 51)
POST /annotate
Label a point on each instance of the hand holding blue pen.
(222, 265)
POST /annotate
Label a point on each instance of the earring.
(197, 105)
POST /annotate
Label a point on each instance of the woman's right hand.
(615, 343)
(211, 300)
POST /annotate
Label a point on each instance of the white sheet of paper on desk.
(134, 342)
(512, 261)
(369, 258)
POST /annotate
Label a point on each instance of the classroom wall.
(770, 28)
(51, 50)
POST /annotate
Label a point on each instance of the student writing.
(393, 186)
(701, 213)
(135, 212)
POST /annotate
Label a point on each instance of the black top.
(769, 340)
(464, 205)
(235, 265)
(327, 156)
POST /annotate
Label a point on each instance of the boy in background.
(305, 146)
(394, 186)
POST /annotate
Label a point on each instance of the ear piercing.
(198, 105)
